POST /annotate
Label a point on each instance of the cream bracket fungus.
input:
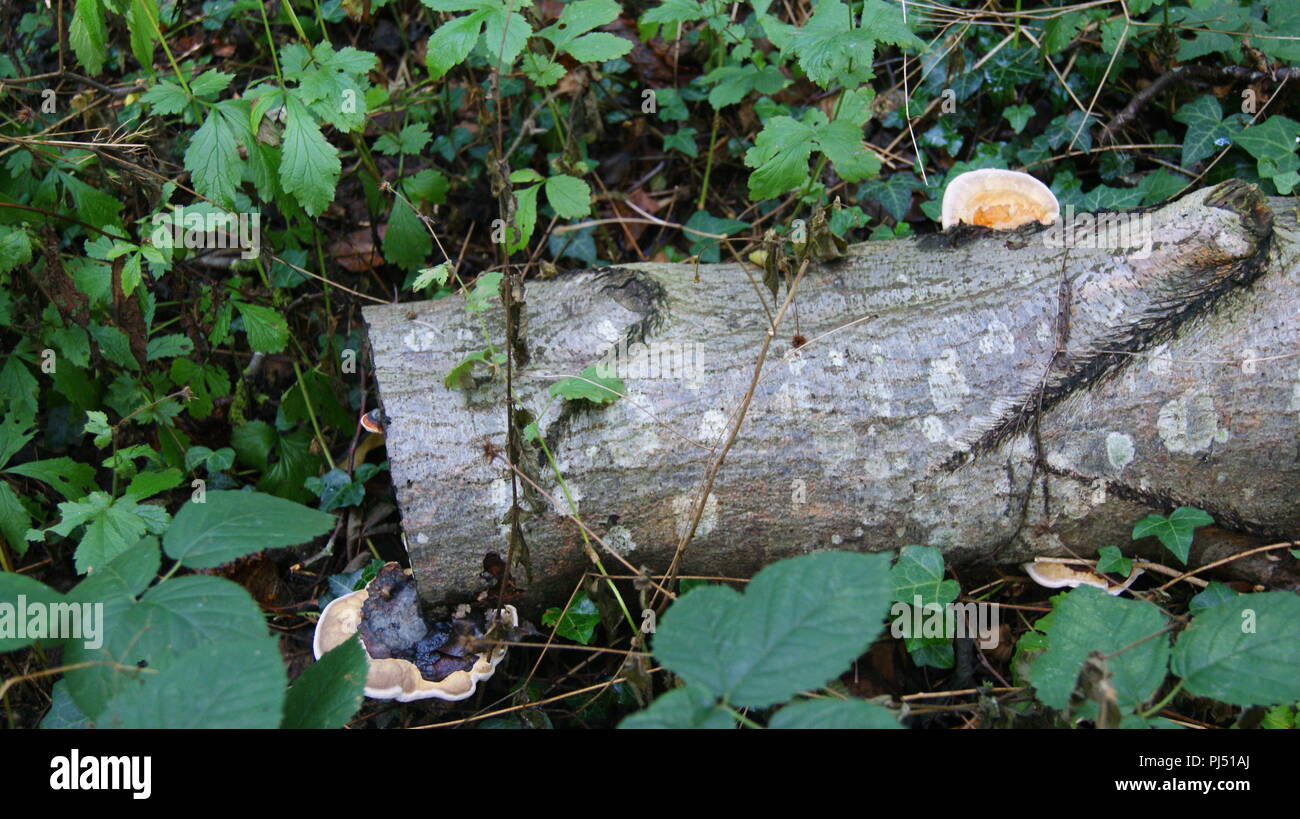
(998, 199)
(409, 658)
(1054, 575)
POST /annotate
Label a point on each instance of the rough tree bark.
(987, 394)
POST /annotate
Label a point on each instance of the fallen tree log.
(996, 395)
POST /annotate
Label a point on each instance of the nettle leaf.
(233, 684)
(579, 621)
(88, 35)
(15, 247)
(1243, 651)
(800, 623)
(168, 346)
(330, 691)
(569, 32)
(410, 140)
(830, 48)
(213, 159)
(267, 330)
(589, 386)
(210, 83)
(1175, 531)
(504, 33)
(309, 164)
(1207, 131)
(166, 98)
(170, 618)
(834, 713)
(231, 524)
(1087, 619)
(570, 196)
(682, 708)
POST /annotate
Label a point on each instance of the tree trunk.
(995, 395)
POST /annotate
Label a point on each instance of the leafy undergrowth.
(196, 201)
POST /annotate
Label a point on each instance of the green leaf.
(579, 621)
(779, 157)
(70, 479)
(1018, 116)
(230, 524)
(525, 219)
(309, 165)
(35, 593)
(1243, 651)
(336, 489)
(15, 520)
(267, 330)
(451, 43)
(410, 140)
(894, 193)
(253, 442)
(1273, 144)
(63, 712)
(569, 32)
(126, 575)
(210, 83)
(407, 243)
(88, 35)
(688, 707)
(1112, 560)
(148, 484)
(800, 623)
(1087, 619)
(708, 249)
(830, 49)
(1176, 531)
(1211, 596)
(213, 160)
(235, 684)
(330, 691)
(169, 346)
(589, 387)
(140, 18)
(171, 618)
(834, 713)
(112, 526)
(165, 97)
(15, 247)
(1207, 130)
(732, 83)
(919, 573)
(570, 196)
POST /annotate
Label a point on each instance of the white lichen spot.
(1159, 363)
(682, 508)
(947, 384)
(792, 399)
(858, 532)
(796, 362)
(712, 425)
(877, 355)
(619, 538)
(607, 332)
(1119, 450)
(997, 338)
(878, 395)
(499, 491)
(836, 540)
(1189, 423)
(1249, 366)
(422, 538)
(637, 448)
(418, 340)
(933, 429)
(836, 357)
(1043, 333)
(942, 537)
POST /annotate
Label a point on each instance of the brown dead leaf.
(356, 253)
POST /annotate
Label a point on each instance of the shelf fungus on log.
(997, 199)
(410, 658)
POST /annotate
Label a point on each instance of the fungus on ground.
(998, 199)
(1054, 575)
(409, 659)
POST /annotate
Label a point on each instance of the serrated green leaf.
(88, 35)
(569, 196)
(589, 386)
(1243, 651)
(70, 479)
(267, 330)
(309, 165)
(800, 623)
(213, 160)
(11, 587)
(681, 708)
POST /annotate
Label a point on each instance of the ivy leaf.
(309, 165)
(894, 193)
(732, 83)
(1112, 560)
(1018, 116)
(1273, 144)
(1206, 128)
(1176, 531)
(579, 621)
(267, 330)
(709, 249)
